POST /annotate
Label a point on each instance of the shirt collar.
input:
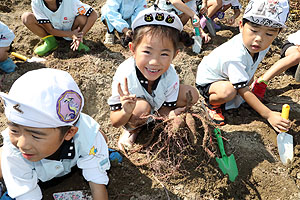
(65, 151)
(144, 82)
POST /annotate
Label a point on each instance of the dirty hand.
(128, 101)
(205, 37)
(196, 20)
(129, 33)
(175, 112)
(77, 38)
(277, 122)
(231, 20)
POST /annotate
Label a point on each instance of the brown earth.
(249, 137)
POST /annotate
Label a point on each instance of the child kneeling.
(48, 134)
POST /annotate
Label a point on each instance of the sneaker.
(214, 113)
(259, 89)
(109, 38)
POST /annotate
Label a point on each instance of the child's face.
(35, 143)
(153, 55)
(3, 53)
(257, 38)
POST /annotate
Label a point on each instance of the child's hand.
(203, 9)
(175, 112)
(129, 33)
(77, 37)
(128, 101)
(205, 37)
(277, 122)
(231, 20)
(196, 20)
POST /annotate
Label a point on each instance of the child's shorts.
(204, 91)
(284, 47)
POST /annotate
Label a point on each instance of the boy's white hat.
(6, 35)
(272, 13)
(43, 98)
(152, 16)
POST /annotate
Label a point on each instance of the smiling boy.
(47, 135)
(223, 77)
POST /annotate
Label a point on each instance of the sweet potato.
(190, 122)
(177, 123)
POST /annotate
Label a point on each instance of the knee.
(195, 95)
(297, 56)
(28, 18)
(227, 94)
(142, 108)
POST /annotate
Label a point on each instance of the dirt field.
(249, 137)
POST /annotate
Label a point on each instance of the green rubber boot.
(83, 47)
(50, 44)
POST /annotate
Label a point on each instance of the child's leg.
(31, 23)
(183, 89)
(213, 6)
(292, 58)
(221, 92)
(131, 130)
(79, 21)
(215, 95)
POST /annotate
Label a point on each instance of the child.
(185, 10)
(290, 58)
(69, 19)
(48, 134)
(224, 75)
(118, 15)
(6, 38)
(147, 82)
(220, 6)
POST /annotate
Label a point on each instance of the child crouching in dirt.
(186, 10)
(290, 58)
(70, 19)
(215, 7)
(223, 77)
(6, 38)
(47, 135)
(118, 15)
(147, 82)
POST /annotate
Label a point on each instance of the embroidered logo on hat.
(68, 106)
(272, 13)
(159, 16)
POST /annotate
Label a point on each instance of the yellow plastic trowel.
(285, 140)
(33, 59)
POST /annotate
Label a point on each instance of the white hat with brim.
(6, 35)
(271, 13)
(151, 16)
(43, 98)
